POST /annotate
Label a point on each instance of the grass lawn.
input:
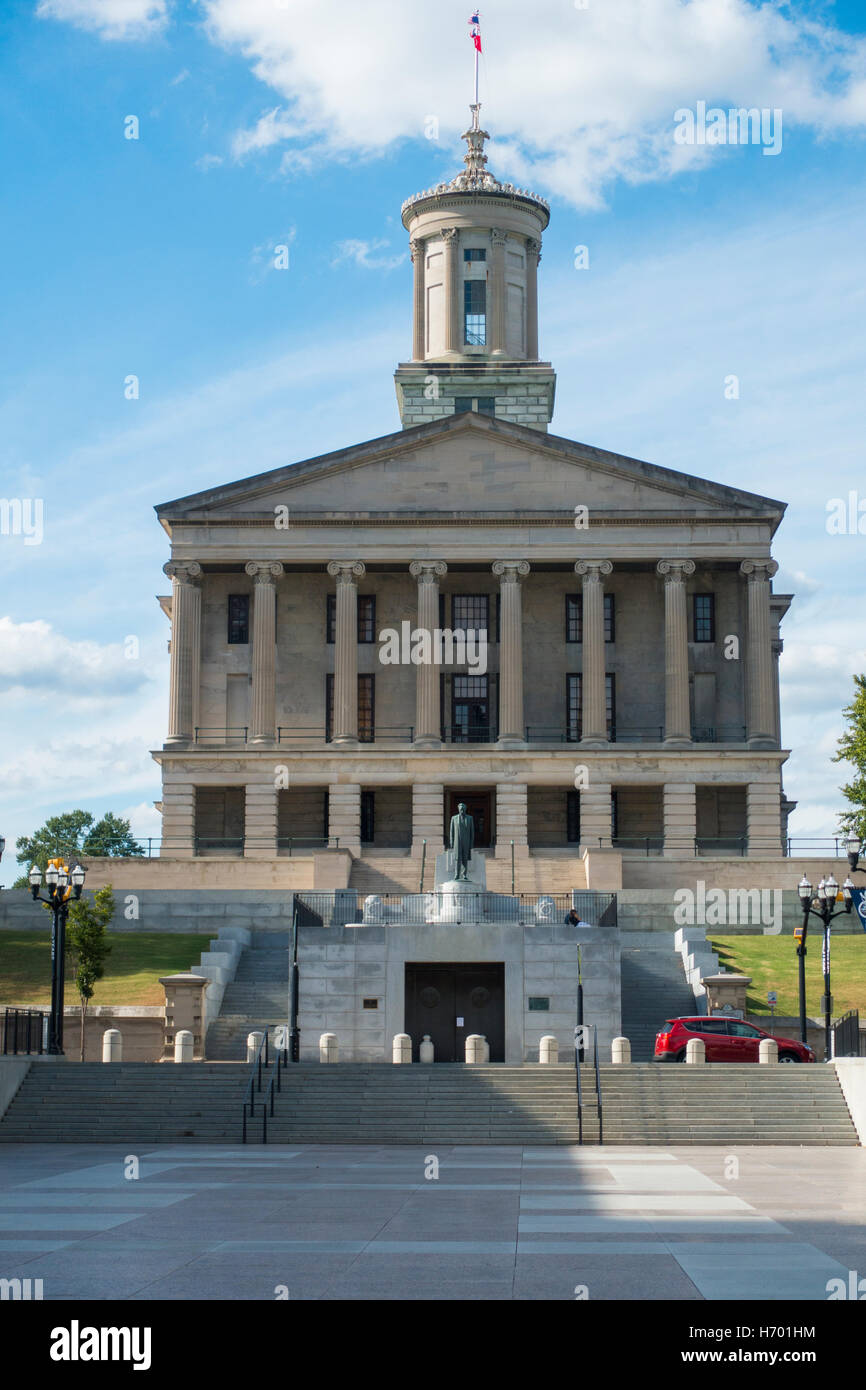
(132, 970)
(772, 963)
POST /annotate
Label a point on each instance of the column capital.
(756, 570)
(263, 571)
(511, 571)
(346, 571)
(593, 569)
(533, 247)
(450, 235)
(184, 571)
(497, 236)
(416, 246)
(675, 571)
(428, 571)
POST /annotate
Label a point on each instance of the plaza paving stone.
(365, 1223)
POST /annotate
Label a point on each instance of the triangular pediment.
(471, 465)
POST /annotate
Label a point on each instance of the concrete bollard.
(426, 1051)
(768, 1050)
(112, 1045)
(183, 1043)
(401, 1048)
(548, 1049)
(254, 1042)
(620, 1052)
(696, 1051)
(475, 1049)
(329, 1048)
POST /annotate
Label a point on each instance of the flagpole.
(476, 76)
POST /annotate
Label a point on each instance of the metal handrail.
(578, 1088)
(597, 1085)
(281, 1060)
(255, 1081)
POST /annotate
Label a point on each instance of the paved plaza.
(316, 1222)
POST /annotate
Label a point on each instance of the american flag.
(475, 22)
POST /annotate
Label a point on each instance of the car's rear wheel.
(681, 1056)
(788, 1057)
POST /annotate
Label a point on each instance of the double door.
(450, 1001)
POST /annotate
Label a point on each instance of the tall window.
(470, 612)
(470, 708)
(366, 618)
(574, 618)
(368, 817)
(703, 617)
(366, 709)
(574, 707)
(474, 253)
(475, 312)
(572, 818)
(239, 618)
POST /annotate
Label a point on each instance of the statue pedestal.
(459, 902)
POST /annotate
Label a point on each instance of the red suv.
(725, 1039)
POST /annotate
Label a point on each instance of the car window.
(710, 1025)
(743, 1030)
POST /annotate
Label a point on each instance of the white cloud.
(208, 161)
(363, 254)
(38, 660)
(579, 98)
(110, 19)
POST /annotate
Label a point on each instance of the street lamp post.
(62, 885)
(821, 905)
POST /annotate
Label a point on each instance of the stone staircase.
(127, 1103)
(258, 995)
(353, 1103)
(661, 1103)
(654, 988)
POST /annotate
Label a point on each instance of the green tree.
(852, 749)
(110, 838)
(71, 835)
(87, 944)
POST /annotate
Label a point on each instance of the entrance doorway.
(451, 1001)
(478, 804)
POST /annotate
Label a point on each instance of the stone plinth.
(727, 993)
(184, 1010)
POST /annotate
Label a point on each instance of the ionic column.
(761, 712)
(678, 724)
(496, 308)
(533, 256)
(418, 249)
(265, 573)
(345, 724)
(428, 717)
(453, 307)
(185, 578)
(593, 702)
(511, 726)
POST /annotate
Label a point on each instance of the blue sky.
(265, 122)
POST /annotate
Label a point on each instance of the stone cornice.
(362, 519)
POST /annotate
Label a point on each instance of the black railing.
(633, 733)
(578, 1085)
(347, 907)
(846, 1035)
(597, 1084)
(232, 734)
(469, 733)
(254, 1086)
(23, 1031)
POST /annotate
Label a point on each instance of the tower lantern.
(475, 245)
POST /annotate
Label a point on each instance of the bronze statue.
(461, 840)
